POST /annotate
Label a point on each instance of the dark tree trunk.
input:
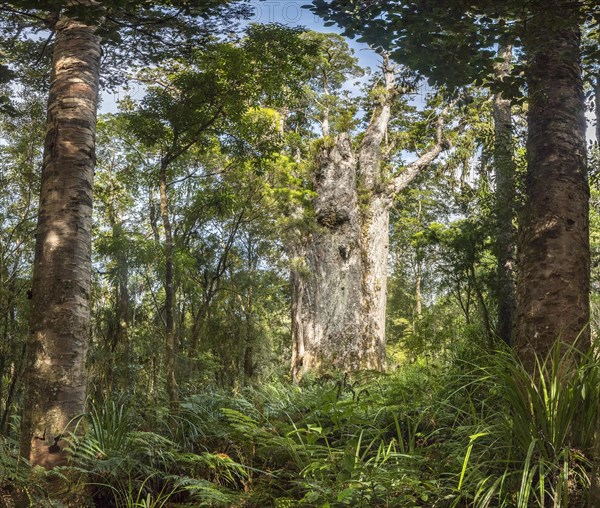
(60, 314)
(553, 247)
(597, 103)
(506, 234)
(172, 392)
(122, 315)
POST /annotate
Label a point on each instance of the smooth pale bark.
(339, 271)
(60, 314)
(418, 275)
(418, 293)
(553, 247)
(172, 392)
(506, 233)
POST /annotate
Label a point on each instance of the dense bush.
(477, 431)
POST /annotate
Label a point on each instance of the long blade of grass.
(472, 440)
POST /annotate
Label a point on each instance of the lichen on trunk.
(339, 272)
(328, 287)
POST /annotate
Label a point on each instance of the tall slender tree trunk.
(418, 293)
(11, 350)
(339, 275)
(506, 233)
(169, 292)
(482, 307)
(122, 313)
(60, 314)
(597, 111)
(418, 275)
(553, 247)
(120, 338)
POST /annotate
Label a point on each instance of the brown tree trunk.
(418, 293)
(169, 292)
(506, 234)
(339, 273)
(60, 314)
(120, 339)
(553, 247)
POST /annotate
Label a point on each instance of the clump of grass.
(537, 446)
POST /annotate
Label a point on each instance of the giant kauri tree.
(339, 279)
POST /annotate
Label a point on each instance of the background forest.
(304, 282)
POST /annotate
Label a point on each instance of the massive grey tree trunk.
(553, 279)
(328, 327)
(60, 314)
(339, 272)
(506, 234)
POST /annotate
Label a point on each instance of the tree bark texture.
(339, 274)
(169, 292)
(506, 233)
(553, 246)
(597, 108)
(328, 322)
(60, 315)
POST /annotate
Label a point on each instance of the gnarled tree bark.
(339, 274)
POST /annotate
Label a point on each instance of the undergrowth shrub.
(128, 467)
(478, 431)
(530, 434)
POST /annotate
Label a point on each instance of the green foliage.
(473, 429)
(460, 35)
(14, 472)
(21, 135)
(532, 434)
(129, 467)
(216, 91)
(132, 31)
(234, 118)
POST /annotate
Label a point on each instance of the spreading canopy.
(451, 42)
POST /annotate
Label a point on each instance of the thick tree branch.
(369, 155)
(411, 171)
